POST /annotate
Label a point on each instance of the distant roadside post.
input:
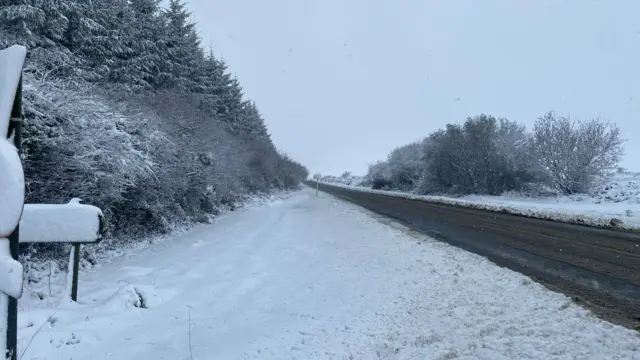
(33, 223)
(317, 178)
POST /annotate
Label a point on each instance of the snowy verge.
(46, 280)
(311, 277)
(620, 215)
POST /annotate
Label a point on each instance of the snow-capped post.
(72, 223)
(11, 191)
(15, 127)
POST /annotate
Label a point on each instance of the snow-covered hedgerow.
(490, 156)
(124, 110)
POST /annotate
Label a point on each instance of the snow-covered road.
(313, 278)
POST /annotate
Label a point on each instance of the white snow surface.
(618, 199)
(310, 277)
(10, 272)
(72, 222)
(11, 63)
(11, 188)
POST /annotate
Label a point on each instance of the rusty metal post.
(76, 270)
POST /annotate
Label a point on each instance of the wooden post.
(15, 126)
(76, 270)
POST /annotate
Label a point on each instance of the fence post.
(14, 239)
(76, 270)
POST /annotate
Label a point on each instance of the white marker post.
(317, 177)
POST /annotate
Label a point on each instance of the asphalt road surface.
(598, 268)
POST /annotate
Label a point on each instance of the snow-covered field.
(619, 199)
(309, 277)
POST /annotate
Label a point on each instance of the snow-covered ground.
(309, 277)
(619, 199)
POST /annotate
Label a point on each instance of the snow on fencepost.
(71, 223)
(11, 194)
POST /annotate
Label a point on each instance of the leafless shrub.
(576, 155)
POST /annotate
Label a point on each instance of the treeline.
(488, 155)
(126, 110)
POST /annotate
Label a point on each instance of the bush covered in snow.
(491, 156)
(576, 155)
(124, 110)
(346, 179)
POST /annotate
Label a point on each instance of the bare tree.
(576, 155)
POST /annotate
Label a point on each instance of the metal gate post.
(15, 127)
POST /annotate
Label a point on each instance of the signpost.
(73, 223)
(11, 64)
(317, 178)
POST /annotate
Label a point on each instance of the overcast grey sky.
(342, 82)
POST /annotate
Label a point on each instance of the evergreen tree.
(45, 22)
(140, 65)
(250, 124)
(97, 141)
(183, 52)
